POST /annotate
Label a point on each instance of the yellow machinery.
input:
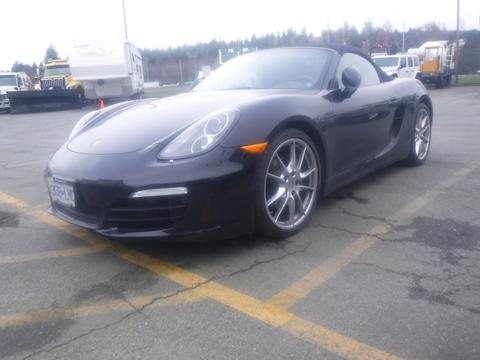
(57, 75)
(56, 89)
(436, 63)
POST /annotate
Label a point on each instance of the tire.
(439, 83)
(447, 81)
(421, 137)
(286, 198)
(80, 100)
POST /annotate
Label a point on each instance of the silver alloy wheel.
(423, 132)
(291, 183)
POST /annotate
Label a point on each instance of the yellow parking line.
(104, 307)
(335, 342)
(50, 254)
(328, 269)
(267, 313)
(301, 288)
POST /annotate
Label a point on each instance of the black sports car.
(251, 148)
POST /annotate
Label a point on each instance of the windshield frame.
(9, 76)
(57, 73)
(388, 58)
(321, 83)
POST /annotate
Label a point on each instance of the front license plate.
(61, 193)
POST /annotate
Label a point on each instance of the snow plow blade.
(41, 100)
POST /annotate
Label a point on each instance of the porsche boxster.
(252, 148)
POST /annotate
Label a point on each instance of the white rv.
(108, 69)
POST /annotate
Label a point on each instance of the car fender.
(268, 116)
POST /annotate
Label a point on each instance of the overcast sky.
(29, 26)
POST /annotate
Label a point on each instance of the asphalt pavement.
(389, 267)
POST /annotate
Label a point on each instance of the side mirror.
(401, 66)
(351, 79)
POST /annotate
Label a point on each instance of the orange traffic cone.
(101, 104)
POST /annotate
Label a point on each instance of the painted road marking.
(267, 313)
(333, 341)
(328, 269)
(104, 307)
(50, 254)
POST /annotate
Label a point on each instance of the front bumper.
(219, 202)
(4, 102)
(429, 78)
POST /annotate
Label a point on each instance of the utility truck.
(12, 81)
(437, 62)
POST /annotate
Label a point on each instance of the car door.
(403, 68)
(19, 82)
(410, 67)
(416, 66)
(362, 122)
(24, 83)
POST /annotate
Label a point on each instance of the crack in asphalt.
(400, 273)
(163, 297)
(357, 233)
(419, 292)
(369, 217)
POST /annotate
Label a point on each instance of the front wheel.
(287, 182)
(421, 137)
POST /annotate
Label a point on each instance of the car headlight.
(82, 123)
(201, 136)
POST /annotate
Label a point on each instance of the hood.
(55, 77)
(389, 69)
(136, 125)
(4, 89)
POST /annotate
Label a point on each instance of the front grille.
(58, 83)
(79, 214)
(110, 207)
(146, 213)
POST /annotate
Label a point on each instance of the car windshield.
(270, 69)
(57, 70)
(386, 61)
(8, 80)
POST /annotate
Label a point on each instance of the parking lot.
(389, 267)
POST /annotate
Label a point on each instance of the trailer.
(108, 69)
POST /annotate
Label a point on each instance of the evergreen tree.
(51, 53)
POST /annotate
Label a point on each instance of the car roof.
(385, 56)
(396, 55)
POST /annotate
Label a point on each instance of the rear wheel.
(79, 99)
(287, 183)
(447, 81)
(421, 138)
(439, 84)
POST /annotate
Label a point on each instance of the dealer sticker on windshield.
(61, 192)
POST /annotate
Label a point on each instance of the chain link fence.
(469, 66)
(186, 70)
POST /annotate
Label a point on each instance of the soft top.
(342, 49)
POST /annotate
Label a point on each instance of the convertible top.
(342, 49)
